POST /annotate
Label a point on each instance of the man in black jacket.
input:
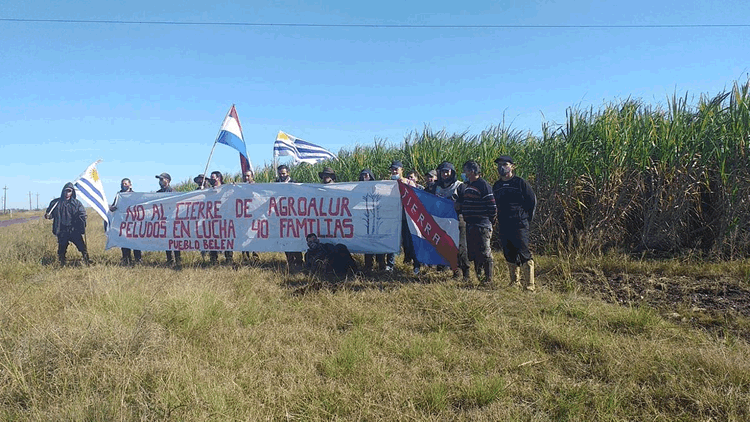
(516, 204)
(68, 222)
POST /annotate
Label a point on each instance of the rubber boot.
(478, 268)
(527, 271)
(86, 259)
(61, 259)
(177, 260)
(514, 272)
(489, 269)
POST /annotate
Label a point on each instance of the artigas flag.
(231, 134)
(301, 150)
(433, 225)
(89, 185)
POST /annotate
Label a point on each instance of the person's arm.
(530, 200)
(50, 208)
(113, 207)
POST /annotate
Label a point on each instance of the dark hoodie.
(369, 172)
(68, 216)
(449, 187)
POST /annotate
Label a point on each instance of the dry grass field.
(602, 340)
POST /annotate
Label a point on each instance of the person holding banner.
(327, 176)
(164, 180)
(366, 175)
(248, 178)
(201, 181)
(397, 173)
(448, 186)
(282, 172)
(68, 223)
(293, 259)
(217, 179)
(127, 258)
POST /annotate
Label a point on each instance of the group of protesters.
(507, 207)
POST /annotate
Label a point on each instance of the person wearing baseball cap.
(516, 203)
(164, 180)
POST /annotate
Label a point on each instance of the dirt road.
(5, 223)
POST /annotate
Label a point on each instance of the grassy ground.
(20, 214)
(256, 343)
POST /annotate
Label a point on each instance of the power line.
(367, 25)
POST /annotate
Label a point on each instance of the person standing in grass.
(366, 175)
(293, 259)
(68, 223)
(249, 178)
(164, 180)
(447, 186)
(477, 204)
(127, 258)
(397, 173)
(516, 204)
(217, 179)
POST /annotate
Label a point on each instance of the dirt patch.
(719, 305)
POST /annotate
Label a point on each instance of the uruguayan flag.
(89, 185)
(302, 151)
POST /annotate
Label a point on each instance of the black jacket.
(515, 201)
(68, 216)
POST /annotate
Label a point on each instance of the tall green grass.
(627, 176)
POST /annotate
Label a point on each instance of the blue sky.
(148, 99)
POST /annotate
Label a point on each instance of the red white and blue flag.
(231, 134)
(433, 225)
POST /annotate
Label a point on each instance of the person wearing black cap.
(478, 208)
(516, 204)
(448, 186)
(164, 180)
(68, 223)
(327, 175)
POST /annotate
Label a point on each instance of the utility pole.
(5, 195)
(37, 200)
(29, 200)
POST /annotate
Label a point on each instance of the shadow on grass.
(306, 282)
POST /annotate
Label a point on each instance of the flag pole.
(212, 148)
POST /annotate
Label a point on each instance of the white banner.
(262, 217)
